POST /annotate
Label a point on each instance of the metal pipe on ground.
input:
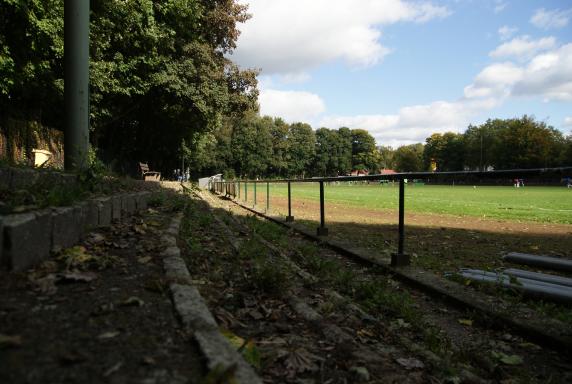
(539, 261)
(559, 280)
(532, 290)
(515, 280)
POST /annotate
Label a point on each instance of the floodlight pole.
(76, 83)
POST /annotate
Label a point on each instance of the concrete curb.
(195, 315)
(28, 238)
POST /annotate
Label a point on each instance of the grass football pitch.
(537, 204)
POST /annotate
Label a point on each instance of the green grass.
(540, 204)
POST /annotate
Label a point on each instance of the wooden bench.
(147, 174)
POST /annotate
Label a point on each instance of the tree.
(279, 132)
(409, 158)
(387, 157)
(480, 144)
(301, 149)
(251, 146)
(158, 72)
(344, 166)
(446, 150)
(527, 143)
(364, 152)
(31, 60)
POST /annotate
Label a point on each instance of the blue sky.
(405, 69)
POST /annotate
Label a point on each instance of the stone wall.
(18, 138)
(28, 238)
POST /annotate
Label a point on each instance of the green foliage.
(446, 150)
(301, 149)
(409, 158)
(158, 74)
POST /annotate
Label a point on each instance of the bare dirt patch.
(99, 313)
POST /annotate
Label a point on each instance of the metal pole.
(255, 193)
(76, 84)
(400, 258)
(289, 217)
(246, 191)
(322, 230)
(239, 189)
(267, 196)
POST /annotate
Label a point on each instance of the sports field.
(537, 204)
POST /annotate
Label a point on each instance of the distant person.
(516, 183)
(568, 182)
(521, 182)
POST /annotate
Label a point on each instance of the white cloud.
(547, 19)
(413, 124)
(567, 121)
(500, 6)
(523, 47)
(505, 32)
(281, 39)
(548, 75)
(292, 106)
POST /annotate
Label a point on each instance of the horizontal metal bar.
(505, 173)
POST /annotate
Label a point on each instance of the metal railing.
(233, 189)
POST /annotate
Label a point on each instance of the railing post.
(289, 217)
(267, 196)
(246, 191)
(322, 230)
(239, 189)
(255, 193)
(400, 259)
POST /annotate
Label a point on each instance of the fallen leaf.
(410, 363)
(72, 357)
(256, 315)
(79, 277)
(96, 238)
(47, 284)
(10, 341)
(530, 345)
(108, 335)
(245, 347)
(299, 360)
(133, 301)
(148, 360)
(75, 256)
(466, 322)
(507, 359)
(113, 369)
(144, 259)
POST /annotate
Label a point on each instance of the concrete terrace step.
(28, 238)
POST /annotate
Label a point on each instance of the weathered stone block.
(142, 199)
(91, 214)
(23, 178)
(27, 239)
(128, 205)
(116, 207)
(81, 211)
(5, 177)
(1, 242)
(105, 208)
(66, 227)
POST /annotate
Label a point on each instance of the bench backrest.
(144, 167)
